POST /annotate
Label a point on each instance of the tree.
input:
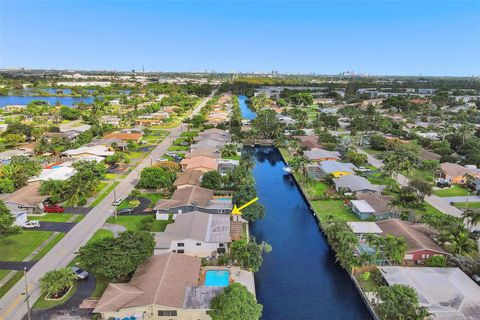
(437, 261)
(117, 257)
(378, 142)
(471, 218)
(212, 180)
(156, 177)
(299, 165)
(458, 239)
(235, 302)
(19, 170)
(7, 228)
(253, 212)
(68, 113)
(422, 187)
(197, 120)
(249, 254)
(12, 140)
(55, 283)
(266, 124)
(357, 158)
(400, 302)
(229, 150)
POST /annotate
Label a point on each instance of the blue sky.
(375, 37)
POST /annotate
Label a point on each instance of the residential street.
(12, 305)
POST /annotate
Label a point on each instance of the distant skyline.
(431, 38)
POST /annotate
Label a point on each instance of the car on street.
(31, 224)
(53, 209)
(80, 273)
(125, 211)
(117, 202)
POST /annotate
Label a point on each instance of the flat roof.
(364, 227)
(363, 206)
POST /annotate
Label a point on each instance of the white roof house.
(364, 227)
(61, 173)
(99, 150)
(362, 206)
(447, 293)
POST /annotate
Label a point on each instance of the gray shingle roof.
(355, 183)
(330, 166)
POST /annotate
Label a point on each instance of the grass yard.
(190, 133)
(133, 223)
(453, 191)
(104, 194)
(100, 234)
(315, 189)
(101, 185)
(285, 154)
(154, 197)
(3, 273)
(334, 207)
(19, 246)
(471, 205)
(49, 246)
(237, 157)
(10, 283)
(101, 283)
(111, 176)
(44, 304)
(53, 217)
(178, 148)
(372, 152)
(136, 154)
(380, 179)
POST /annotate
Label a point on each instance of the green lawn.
(101, 283)
(178, 148)
(154, 197)
(454, 191)
(471, 205)
(136, 155)
(191, 133)
(3, 273)
(10, 283)
(132, 223)
(315, 189)
(372, 152)
(49, 246)
(100, 234)
(101, 185)
(334, 207)
(111, 176)
(286, 154)
(380, 179)
(53, 217)
(19, 246)
(104, 194)
(44, 304)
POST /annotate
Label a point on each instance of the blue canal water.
(24, 100)
(247, 113)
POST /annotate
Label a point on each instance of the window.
(180, 244)
(198, 244)
(167, 313)
(180, 251)
(425, 256)
(221, 245)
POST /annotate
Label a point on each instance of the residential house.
(372, 204)
(196, 234)
(26, 200)
(353, 183)
(98, 150)
(317, 155)
(7, 155)
(337, 169)
(191, 199)
(218, 145)
(213, 136)
(308, 142)
(447, 293)
(189, 178)
(428, 155)
(201, 163)
(361, 229)
(455, 173)
(477, 186)
(125, 137)
(60, 173)
(69, 135)
(420, 246)
(226, 165)
(163, 287)
(113, 120)
(203, 152)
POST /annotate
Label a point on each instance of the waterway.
(247, 113)
(299, 279)
(24, 100)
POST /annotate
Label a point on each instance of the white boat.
(287, 169)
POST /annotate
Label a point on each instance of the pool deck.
(237, 274)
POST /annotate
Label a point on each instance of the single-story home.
(447, 293)
(163, 287)
(201, 163)
(455, 173)
(225, 165)
(113, 120)
(420, 246)
(60, 173)
(195, 233)
(337, 169)
(191, 199)
(213, 137)
(7, 155)
(204, 152)
(363, 228)
(317, 154)
(26, 199)
(308, 142)
(353, 183)
(136, 137)
(428, 155)
(188, 178)
(208, 144)
(376, 204)
(98, 150)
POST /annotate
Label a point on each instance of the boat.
(287, 169)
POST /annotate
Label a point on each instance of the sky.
(429, 37)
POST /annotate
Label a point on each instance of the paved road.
(12, 305)
(463, 199)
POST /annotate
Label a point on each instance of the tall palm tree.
(299, 165)
(469, 180)
(471, 218)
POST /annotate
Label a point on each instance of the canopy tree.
(235, 302)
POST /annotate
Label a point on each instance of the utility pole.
(27, 299)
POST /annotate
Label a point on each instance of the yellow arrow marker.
(236, 211)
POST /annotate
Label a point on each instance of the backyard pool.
(217, 278)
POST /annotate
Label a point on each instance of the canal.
(299, 279)
(52, 100)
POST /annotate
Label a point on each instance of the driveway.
(56, 226)
(140, 210)
(462, 199)
(16, 265)
(70, 309)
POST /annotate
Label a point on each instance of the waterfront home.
(208, 144)
(353, 183)
(210, 132)
(160, 288)
(308, 142)
(225, 165)
(191, 199)
(285, 119)
(317, 155)
(7, 155)
(98, 150)
(420, 246)
(195, 233)
(201, 163)
(372, 204)
(25, 200)
(214, 137)
(363, 228)
(204, 152)
(188, 178)
(455, 173)
(447, 293)
(337, 169)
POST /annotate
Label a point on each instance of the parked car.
(80, 273)
(53, 209)
(31, 224)
(117, 202)
(125, 211)
(442, 183)
(363, 169)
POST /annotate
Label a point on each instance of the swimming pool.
(217, 278)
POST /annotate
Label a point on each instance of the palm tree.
(459, 239)
(469, 180)
(299, 165)
(56, 283)
(229, 150)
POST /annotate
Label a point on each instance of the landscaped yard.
(104, 194)
(133, 223)
(315, 189)
(178, 148)
(42, 303)
(453, 191)
(100, 234)
(19, 246)
(471, 205)
(323, 208)
(54, 217)
(372, 152)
